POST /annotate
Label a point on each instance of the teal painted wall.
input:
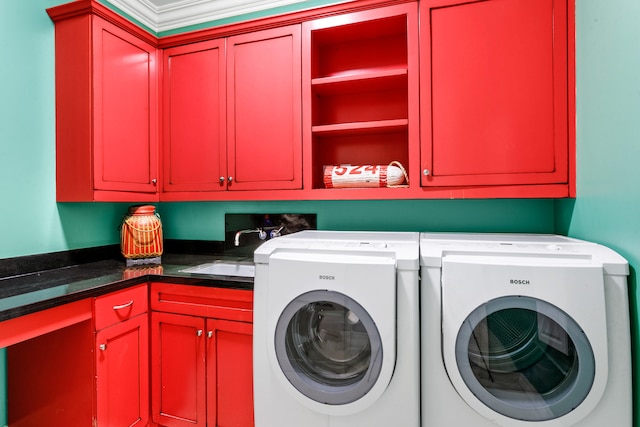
(30, 220)
(607, 209)
(206, 220)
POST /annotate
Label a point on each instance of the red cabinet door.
(106, 106)
(494, 92)
(194, 119)
(124, 110)
(229, 373)
(264, 110)
(122, 373)
(178, 370)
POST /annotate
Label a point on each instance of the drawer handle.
(120, 307)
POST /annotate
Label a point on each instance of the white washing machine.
(523, 331)
(336, 330)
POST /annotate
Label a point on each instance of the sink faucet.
(262, 235)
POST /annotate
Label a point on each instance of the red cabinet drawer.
(119, 306)
(218, 303)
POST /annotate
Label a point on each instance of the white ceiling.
(163, 15)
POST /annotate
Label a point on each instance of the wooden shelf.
(360, 128)
(361, 78)
(360, 81)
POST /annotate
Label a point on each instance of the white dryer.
(523, 331)
(336, 330)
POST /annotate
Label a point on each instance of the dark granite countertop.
(28, 292)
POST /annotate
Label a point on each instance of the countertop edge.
(109, 285)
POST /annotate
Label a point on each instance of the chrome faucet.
(262, 235)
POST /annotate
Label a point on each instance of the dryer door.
(525, 358)
(328, 347)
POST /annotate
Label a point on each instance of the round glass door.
(525, 358)
(328, 347)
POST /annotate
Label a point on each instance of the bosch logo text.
(326, 277)
(519, 282)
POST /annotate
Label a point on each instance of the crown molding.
(183, 13)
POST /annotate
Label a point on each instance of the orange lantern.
(141, 233)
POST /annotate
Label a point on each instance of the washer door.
(525, 358)
(328, 347)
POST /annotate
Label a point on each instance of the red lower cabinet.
(192, 368)
(94, 372)
(122, 359)
(122, 374)
(178, 370)
(50, 378)
(201, 352)
(229, 374)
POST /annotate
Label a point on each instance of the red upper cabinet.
(495, 95)
(264, 110)
(360, 79)
(194, 118)
(232, 116)
(106, 106)
(471, 98)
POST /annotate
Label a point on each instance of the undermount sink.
(223, 268)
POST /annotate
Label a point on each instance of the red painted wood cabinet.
(494, 94)
(201, 351)
(360, 79)
(232, 115)
(194, 118)
(50, 377)
(474, 98)
(122, 358)
(264, 110)
(106, 106)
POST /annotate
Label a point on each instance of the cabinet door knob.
(209, 334)
(222, 180)
(154, 181)
(102, 347)
(199, 332)
(426, 172)
(230, 179)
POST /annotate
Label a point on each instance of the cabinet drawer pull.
(120, 307)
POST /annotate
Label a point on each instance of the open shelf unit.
(361, 89)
